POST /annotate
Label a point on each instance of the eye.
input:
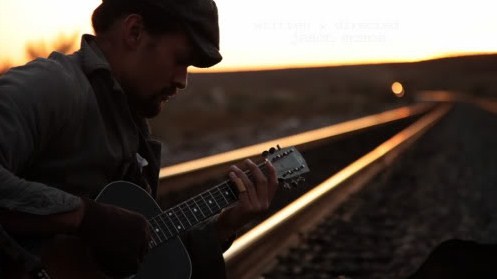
(183, 59)
(184, 56)
(184, 62)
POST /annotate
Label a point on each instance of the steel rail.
(177, 176)
(255, 251)
(294, 140)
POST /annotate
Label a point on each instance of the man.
(70, 125)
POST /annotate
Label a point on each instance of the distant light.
(398, 89)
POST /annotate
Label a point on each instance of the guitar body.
(67, 257)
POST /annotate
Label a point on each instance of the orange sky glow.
(262, 34)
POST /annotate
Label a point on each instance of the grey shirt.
(56, 140)
(59, 139)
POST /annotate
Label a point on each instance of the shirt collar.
(94, 59)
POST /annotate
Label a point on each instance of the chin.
(151, 111)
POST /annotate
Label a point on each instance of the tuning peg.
(265, 154)
(284, 183)
(272, 150)
(295, 183)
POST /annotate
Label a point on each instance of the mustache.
(168, 93)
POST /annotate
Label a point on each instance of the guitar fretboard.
(191, 212)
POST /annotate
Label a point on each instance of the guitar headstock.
(289, 165)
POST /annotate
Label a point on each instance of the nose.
(180, 79)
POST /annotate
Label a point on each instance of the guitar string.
(183, 214)
(210, 193)
(217, 196)
(188, 212)
(195, 209)
(168, 223)
(216, 193)
(178, 209)
(174, 213)
(222, 194)
(158, 229)
(167, 227)
(156, 234)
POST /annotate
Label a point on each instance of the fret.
(228, 190)
(153, 241)
(189, 207)
(220, 200)
(170, 216)
(171, 234)
(204, 206)
(223, 198)
(184, 213)
(178, 217)
(198, 209)
(206, 203)
(225, 193)
(193, 209)
(222, 194)
(180, 224)
(163, 227)
(156, 229)
(218, 206)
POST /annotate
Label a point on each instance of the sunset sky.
(288, 33)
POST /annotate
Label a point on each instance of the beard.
(147, 107)
(150, 106)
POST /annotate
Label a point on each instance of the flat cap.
(200, 20)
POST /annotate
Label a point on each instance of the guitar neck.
(193, 211)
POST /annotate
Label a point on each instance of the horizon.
(345, 64)
(311, 66)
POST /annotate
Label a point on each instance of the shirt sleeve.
(34, 102)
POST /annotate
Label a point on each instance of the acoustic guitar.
(66, 257)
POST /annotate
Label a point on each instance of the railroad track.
(442, 188)
(179, 181)
(342, 159)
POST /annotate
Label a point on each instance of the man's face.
(157, 70)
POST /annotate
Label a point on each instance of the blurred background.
(291, 66)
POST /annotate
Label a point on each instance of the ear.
(133, 30)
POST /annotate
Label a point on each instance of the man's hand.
(255, 196)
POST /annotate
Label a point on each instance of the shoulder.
(45, 82)
(41, 74)
(45, 95)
